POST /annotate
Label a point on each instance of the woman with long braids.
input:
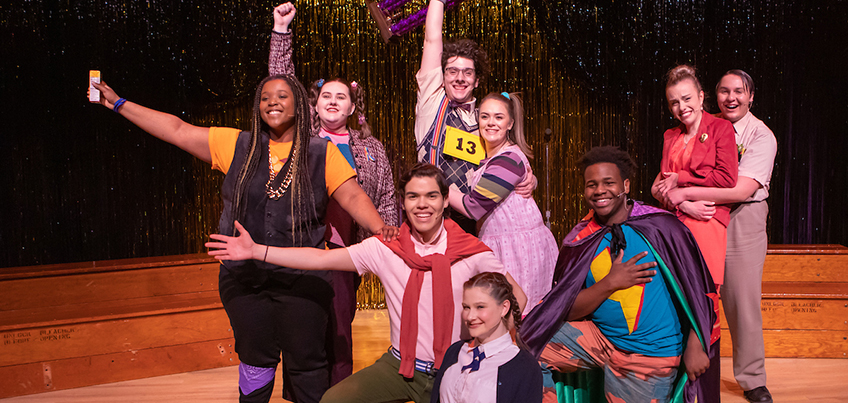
(488, 368)
(279, 180)
(338, 107)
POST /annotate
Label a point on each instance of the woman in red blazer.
(700, 152)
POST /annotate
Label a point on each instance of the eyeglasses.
(453, 71)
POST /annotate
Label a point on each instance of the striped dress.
(512, 225)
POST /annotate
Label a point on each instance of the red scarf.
(460, 246)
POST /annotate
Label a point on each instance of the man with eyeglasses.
(448, 75)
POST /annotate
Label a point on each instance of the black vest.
(269, 221)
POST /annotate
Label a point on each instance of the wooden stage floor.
(790, 380)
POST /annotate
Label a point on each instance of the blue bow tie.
(454, 104)
(475, 363)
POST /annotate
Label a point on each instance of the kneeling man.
(632, 296)
(422, 271)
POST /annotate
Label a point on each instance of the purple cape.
(675, 245)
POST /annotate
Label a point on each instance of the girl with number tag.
(509, 224)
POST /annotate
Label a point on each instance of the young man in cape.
(632, 296)
(422, 271)
(449, 73)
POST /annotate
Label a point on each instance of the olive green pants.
(381, 382)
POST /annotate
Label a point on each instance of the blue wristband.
(118, 104)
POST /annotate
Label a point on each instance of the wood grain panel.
(797, 343)
(107, 310)
(62, 269)
(807, 249)
(28, 293)
(68, 373)
(814, 268)
(114, 336)
(801, 314)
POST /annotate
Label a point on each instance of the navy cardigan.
(519, 379)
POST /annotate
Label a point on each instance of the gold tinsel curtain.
(83, 184)
(339, 38)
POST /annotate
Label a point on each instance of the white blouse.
(480, 386)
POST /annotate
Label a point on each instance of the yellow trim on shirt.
(222, 146)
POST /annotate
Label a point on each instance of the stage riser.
(31, 293)
(118, 309)
(804, 304)
(86, 324)
(799, 328)
(26, 379)
(812, 268)
(797, 343)
(83, 324)
(801, 314)
(32, 345)
(807, 329)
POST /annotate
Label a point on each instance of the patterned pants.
(628, 377)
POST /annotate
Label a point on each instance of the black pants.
(288, 314)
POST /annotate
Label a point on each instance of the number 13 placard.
(464, 145)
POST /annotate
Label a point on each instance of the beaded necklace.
(284, 186)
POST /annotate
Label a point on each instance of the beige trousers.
(741, 293)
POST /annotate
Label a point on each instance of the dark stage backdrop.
(80, 183)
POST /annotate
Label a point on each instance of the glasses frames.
(453, 71)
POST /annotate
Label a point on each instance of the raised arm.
(242, 247)
(163, 126)
(354, 200)
(280, 56)
(431, 57)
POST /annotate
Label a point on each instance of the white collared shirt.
(372, 256)
(480, 386)
(757, 161)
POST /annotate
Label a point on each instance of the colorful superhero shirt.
(640, 319)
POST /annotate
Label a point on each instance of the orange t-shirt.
(222, 145)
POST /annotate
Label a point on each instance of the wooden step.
(58, 285)
(65, 326)
(811, 263)
(797, 343)
(59, 374)
(107, 310)
(804, 302)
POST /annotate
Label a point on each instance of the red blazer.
(715, 160)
